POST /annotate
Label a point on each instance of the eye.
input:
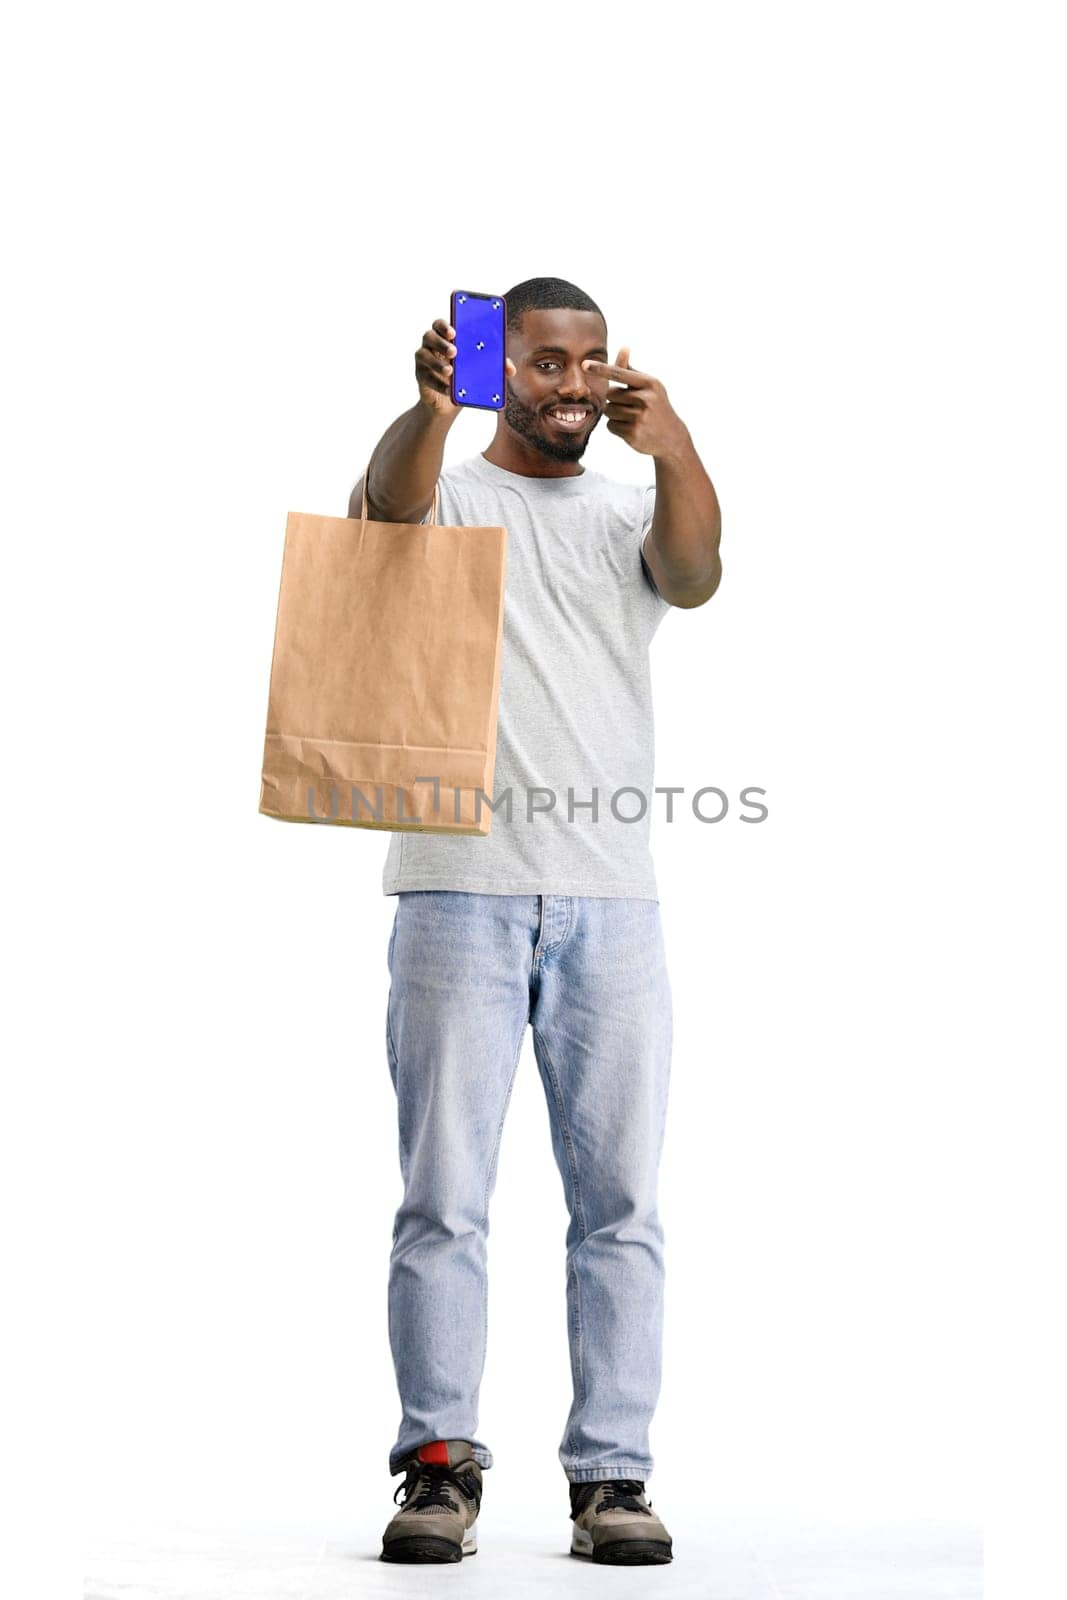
(548, 363)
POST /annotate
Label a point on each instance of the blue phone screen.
(478, 374)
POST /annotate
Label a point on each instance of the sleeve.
(648, 511)
(441, 518)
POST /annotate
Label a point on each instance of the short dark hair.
(547, 294)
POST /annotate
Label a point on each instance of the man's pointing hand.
(640, 412)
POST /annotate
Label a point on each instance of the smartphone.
(479, 377)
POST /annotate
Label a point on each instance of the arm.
(407, 459)
(407, 464)
(682, 545)
(681, 548)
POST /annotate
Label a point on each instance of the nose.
(574, 384)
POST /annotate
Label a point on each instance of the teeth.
(569, 416)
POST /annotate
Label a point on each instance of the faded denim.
(468, 973)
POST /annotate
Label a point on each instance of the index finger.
(628, 375)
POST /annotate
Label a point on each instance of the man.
(553, 919)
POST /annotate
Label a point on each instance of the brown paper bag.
(385, 674)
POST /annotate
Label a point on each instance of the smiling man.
(551, 921)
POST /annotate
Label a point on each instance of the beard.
(529, 425)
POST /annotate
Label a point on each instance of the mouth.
(569, 419)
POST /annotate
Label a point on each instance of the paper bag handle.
(366, 475)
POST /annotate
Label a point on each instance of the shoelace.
(620, 1494)
(425, 1486)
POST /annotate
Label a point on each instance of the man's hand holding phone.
(433, 369)
(435, 358)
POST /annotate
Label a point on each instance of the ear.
(509, 367)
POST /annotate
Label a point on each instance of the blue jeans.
(468, 972)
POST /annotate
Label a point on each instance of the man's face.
(548, 351)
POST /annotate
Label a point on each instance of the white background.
(833, 232)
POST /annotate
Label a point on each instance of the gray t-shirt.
(575, 714)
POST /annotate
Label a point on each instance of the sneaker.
(438, 1518)
(614, 1522)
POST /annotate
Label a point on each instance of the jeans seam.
(500, 1133)
(579, 1211)
(488, 1182)
(389, 1037)
(389, 998)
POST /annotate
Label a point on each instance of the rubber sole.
(621, 1552)
(421, 1547)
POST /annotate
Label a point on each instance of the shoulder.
(626, 497)
(457, 485)
(630, 508)
(637, 504)
(460, 471)
(633, 503)
(463, 479)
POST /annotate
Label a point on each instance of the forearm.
(406, 466)
(683, 542)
